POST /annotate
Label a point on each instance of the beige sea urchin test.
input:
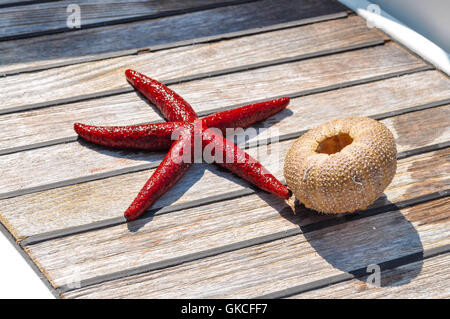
(341, 166)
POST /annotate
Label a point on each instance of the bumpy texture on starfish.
(188, 127)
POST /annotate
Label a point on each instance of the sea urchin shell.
(341, 166)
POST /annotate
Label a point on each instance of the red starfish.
(190, 131)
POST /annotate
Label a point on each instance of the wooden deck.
(62, 199)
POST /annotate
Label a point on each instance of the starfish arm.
(157, 136)
(245, 116)
(171, 105)
(240, 163)
(170, 170)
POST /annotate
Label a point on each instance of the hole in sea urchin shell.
(334, 144)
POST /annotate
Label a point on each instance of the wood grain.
(280, 264)
(66, 161)
(49, 124)
(51, 17)
(433, 282)
(98, 76)
(91, 43)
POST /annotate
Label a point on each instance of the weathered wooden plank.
(58, 163)
(34, 165)
(51, 17)
(431, 125)
(54, 124)
(280, 264)
(130, 37)
(96, 77)
(433, 281)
